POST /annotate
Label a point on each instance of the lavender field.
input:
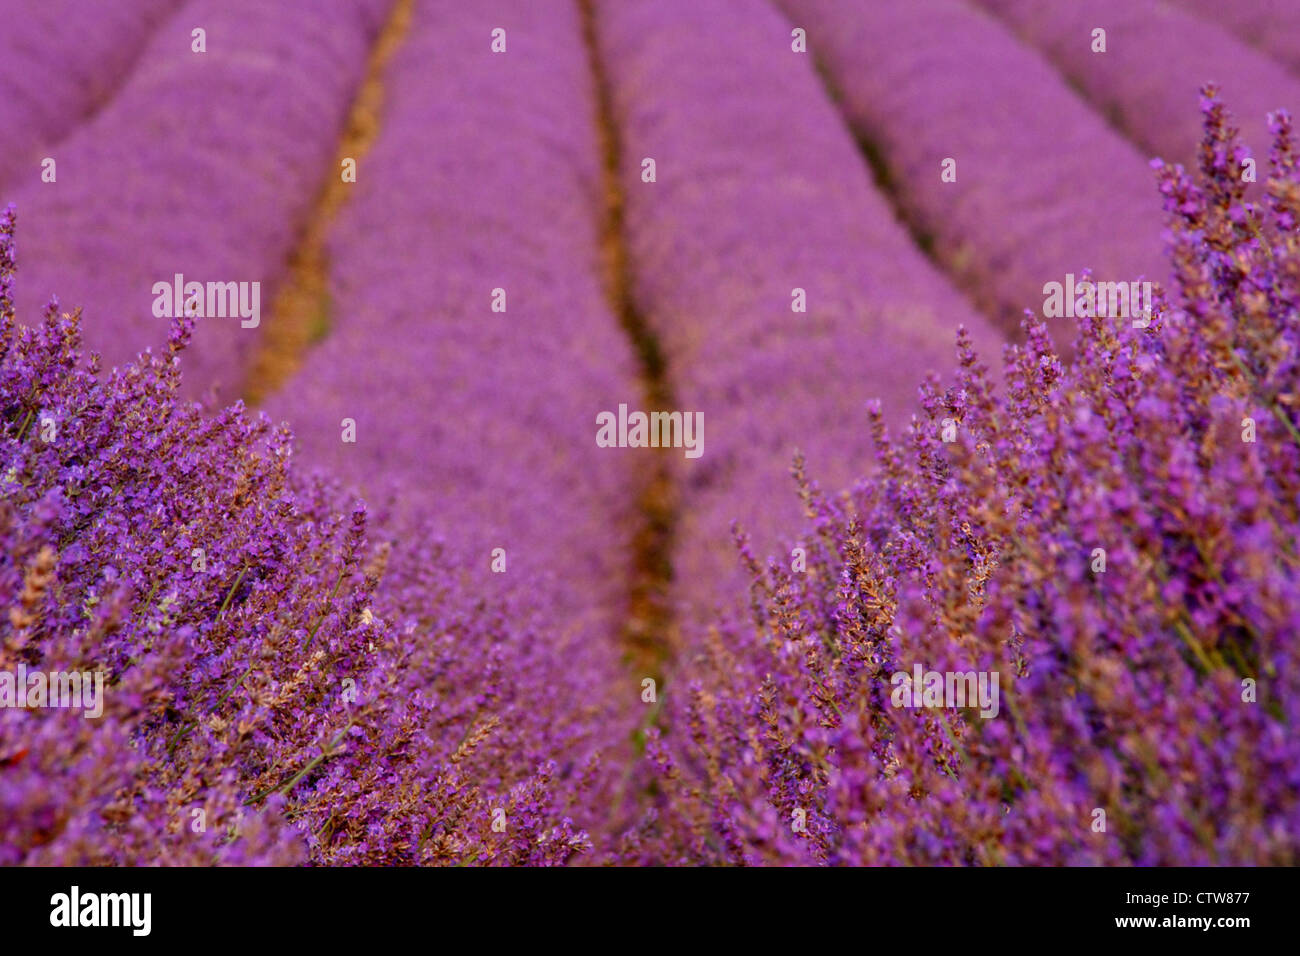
(649, 432)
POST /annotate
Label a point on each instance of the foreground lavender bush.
(277, 688)
(1123, 686)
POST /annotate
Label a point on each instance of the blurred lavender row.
(62, 61)
(760, 191)
(928, 80)
(1156, 58)
(204, 165)
(1103, 541)
(486, 175)
(1271, 25)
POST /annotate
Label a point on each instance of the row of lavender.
(211, 671)
(761, 205)
(474, 349)
(63, 62)
(1107, 550)
(1271, 25)
(1039, 184)
(1153, 56)
(202, 164)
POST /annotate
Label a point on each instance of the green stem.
(233, 588)
(26, 421)
(315, 762)
(321, 620)
(1272, 405)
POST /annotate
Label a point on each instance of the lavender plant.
(1149, 704)
(277, 687)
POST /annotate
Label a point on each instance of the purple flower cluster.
(1156, 57)
(759, 191)
(203, 164)
(277, 686)
(930, 80)
(62, 62)
(1115, 539)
